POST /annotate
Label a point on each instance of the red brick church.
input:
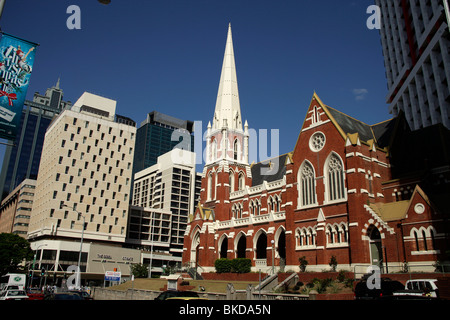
(365, 194)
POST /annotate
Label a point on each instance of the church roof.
(269, 170)
(380, 132)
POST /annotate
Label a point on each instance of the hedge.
(222, 265)
(238, 265)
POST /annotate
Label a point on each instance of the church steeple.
(228, 110)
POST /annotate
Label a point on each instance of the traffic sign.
(112, 276)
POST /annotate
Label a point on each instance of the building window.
(231, 181)
(210, 186)
(335, 178)
(214, 150)
(307, 184)
(241, 181)
(235, 149)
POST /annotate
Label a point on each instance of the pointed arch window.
(335, 178)
(214, 150)
(235, 149)
(258, 207)
(241, 181)
(307, 184)
(231, 181)
(210, 186)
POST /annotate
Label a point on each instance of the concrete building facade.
(85, 172)
(415, 38)
(15, 209)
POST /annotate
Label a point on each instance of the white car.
(420, 287)
(14, 295)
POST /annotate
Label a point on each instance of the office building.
(84, 176)
(156, 137)
(22, 156)
(415, 37)
(171, 186)
(15, 209)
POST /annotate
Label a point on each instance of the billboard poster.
(16, 65)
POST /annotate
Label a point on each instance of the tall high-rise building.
(85, 168)
(159, 134)
(415, 38)
(22, 156)
(173, 187)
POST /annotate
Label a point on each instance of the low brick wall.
(253, 277)
(336, 296)
(308, 276)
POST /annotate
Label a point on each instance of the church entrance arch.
(261, 246)
(241, 246)
(195, 244)
(223, 247)
(376, 253)
(282, 245)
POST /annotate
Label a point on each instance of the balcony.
(252, 220)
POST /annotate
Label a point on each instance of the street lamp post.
(273, 256)
(78, 284)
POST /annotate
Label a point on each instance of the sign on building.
(113, 276)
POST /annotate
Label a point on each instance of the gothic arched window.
(307, 184)
(335, 178)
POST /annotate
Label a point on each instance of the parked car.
(14, 295)
(83, 294)
(34, 294)
(387, 288)
(176, 294)
(420, 287)
(63, 296)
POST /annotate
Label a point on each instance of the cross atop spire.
(228, 110)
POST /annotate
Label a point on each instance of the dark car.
(176, 294)
(83, 294)
(388, 287)
(63, 296)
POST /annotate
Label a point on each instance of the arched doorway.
(224, 247)
(282, 245)
(241, 246)
(261, 246)
(195, 244)
(376, 253)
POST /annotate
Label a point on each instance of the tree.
(139, 270)
(333, 263)
(13, 250)
(303, 263)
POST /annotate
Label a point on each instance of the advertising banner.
(16, 65)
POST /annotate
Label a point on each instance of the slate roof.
(269, 170)
(380, 132)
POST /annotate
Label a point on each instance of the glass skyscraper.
(159, 134)
(22, 156)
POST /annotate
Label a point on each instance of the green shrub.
(303, 263)
(222, 265)
(341, 276)
(241, 265)
(333, 263)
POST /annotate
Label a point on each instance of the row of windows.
(273, 205)
(335, 235)
(334, 181)
(212, 183)
(236, 150)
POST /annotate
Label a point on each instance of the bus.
(13, 281)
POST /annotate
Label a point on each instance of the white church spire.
(228, 110)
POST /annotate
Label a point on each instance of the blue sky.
(166, 55)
